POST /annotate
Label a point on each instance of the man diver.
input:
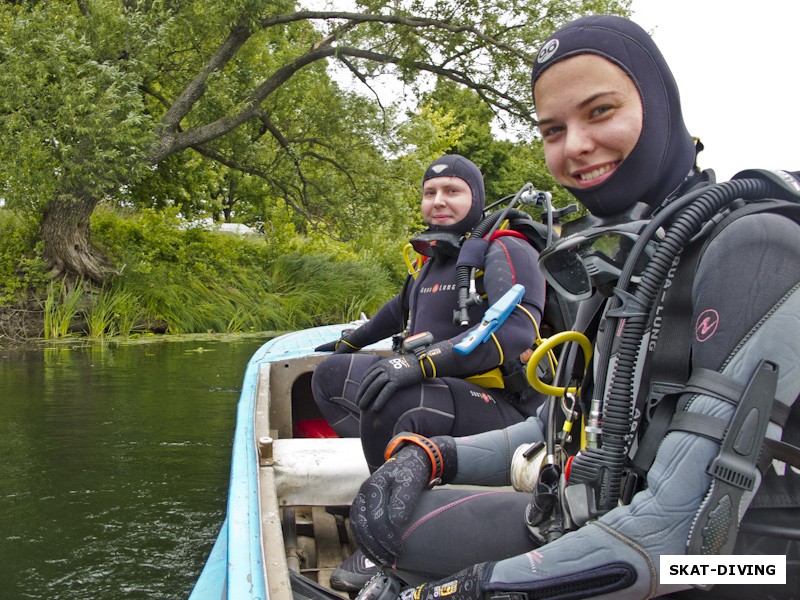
(613, 133)
(361, 394)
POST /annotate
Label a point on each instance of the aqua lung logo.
(659, 316)
(438, 168)
(706, 325)
(482, 395)
(547, 51)
(437, 288)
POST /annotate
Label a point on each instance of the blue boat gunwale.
(235, 566)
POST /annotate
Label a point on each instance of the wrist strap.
(344, 341)
(432, 450)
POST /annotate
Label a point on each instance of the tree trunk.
(68, 250)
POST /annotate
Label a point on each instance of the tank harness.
(601, 477)
(470, 251)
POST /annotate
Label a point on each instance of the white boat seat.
(318, 471)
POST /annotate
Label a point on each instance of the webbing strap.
(786, 453)
(670, 362)
(666, 419)
(714, 383)
(706, 426)
(702, 381)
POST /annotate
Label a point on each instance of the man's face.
(445, 200)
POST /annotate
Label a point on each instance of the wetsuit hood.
(455, 165)
(665, 153)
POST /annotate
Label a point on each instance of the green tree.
(111, 99)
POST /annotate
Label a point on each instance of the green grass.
(61, 306)
(186, 281)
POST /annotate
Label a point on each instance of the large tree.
(98, 95)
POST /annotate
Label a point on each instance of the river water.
(114, 463)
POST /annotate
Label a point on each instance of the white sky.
(737, 66)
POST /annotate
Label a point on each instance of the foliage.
(71, 108)
(21, 267)
(191, 280)
(226, 109)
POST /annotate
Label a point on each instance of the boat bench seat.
(318, 471)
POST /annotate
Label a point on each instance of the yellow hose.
(547, 345)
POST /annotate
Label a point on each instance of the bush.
(21, 266)
(189, 280)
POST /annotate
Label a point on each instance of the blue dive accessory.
(494, 316)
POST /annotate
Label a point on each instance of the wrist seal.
(431, 449)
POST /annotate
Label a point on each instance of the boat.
(291, 484)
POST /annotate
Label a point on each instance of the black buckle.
(509, 596)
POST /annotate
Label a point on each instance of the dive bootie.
(353, 573)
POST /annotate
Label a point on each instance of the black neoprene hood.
(665, 153)
(455, 165)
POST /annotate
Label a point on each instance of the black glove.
(464, 585)
(384, 504)
(341, 346)
(385, 377)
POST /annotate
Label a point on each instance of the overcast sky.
(738, 69)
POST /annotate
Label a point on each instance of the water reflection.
(114, 465)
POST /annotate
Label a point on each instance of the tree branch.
(408, 21)
(196, 88)
(172, 140)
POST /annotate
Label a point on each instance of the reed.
(113, 310)
(61, 307)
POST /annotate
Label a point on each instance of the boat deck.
(306, 485)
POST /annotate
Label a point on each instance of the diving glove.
(385, 378)
(344, 345)
(464, 585)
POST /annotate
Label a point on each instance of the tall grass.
(61, 307)
(113, 311)
(193, 281)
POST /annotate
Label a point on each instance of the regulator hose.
(605, 464)
(482, 229)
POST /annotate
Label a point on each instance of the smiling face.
(590, 118)
(445, 200)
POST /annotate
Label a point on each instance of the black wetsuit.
(448, 404)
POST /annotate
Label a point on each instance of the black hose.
(605, 464)
(487, 225)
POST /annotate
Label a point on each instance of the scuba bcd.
(470, 252)
(596, 472)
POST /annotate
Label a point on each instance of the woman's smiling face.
(590, 118)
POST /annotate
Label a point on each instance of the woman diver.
(613, 133)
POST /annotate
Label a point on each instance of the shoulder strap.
(669, 364)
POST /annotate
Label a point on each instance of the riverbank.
(171, 280)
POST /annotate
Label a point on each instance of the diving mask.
(429, 243)
(593, 257)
